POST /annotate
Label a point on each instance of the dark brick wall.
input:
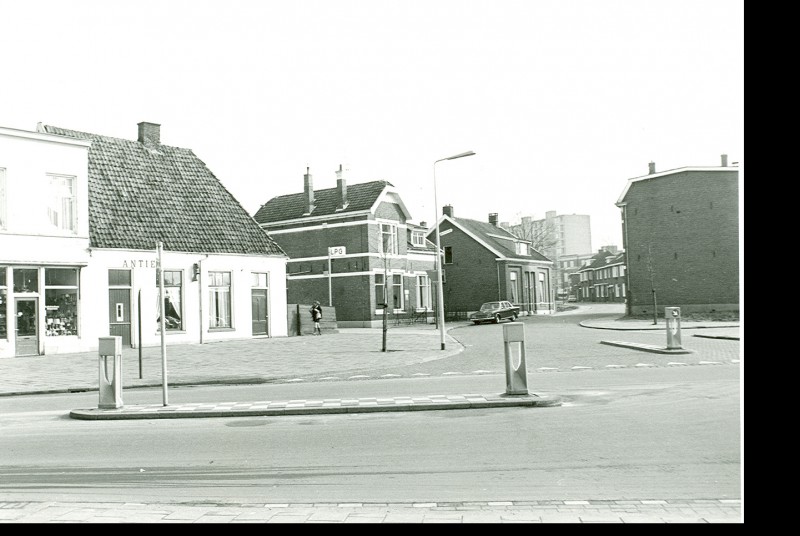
(472, 278)
(690, 220)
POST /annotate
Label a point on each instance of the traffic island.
(648, 347)
(315, 407)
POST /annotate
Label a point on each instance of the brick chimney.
(308, 191)
(149, 133)
(341, 189)
(652, 166)
(724, 159)
(493, 218)
(447, 210)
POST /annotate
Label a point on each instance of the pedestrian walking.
(316, 316)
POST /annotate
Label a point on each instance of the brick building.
(602, 279)
(378, 256)
(484, 262)
(681, 236)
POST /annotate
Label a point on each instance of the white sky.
(562, 101)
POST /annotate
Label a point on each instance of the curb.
(648, 347)
(276, 409)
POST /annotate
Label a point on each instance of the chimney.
(652, 168)
(423, 224)
(149, 133)
(724, 158)
(493, 218)
(341, 188)
(447, 210)
(308, 191)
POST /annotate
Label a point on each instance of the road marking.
(326, 378)
(482, 372)
(644, 365)
(357, 377)
(546, 369)
(390, 376)
(294, 380)
(420, 374)
(451, 373)
(735, 361)
(710, 363)
(578, 367)
(616, 366)
(675, 364)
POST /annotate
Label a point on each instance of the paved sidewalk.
(731, 329)
(548, 511)
(239, 361)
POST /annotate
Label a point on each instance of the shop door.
(27, 328)
(119, 314)
(259, 297)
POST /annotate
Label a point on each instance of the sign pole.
(162, 320)
(330, 281)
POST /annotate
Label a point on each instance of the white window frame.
(62, 208)
(168, 288)
(389, 231)
(423, 292)
(398, 277)
(214, 291)
(3, 202)
(418, 238)
(522, 248)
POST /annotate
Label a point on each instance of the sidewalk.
(240, 361)
(729, 329)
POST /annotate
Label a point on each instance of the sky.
(562, 101)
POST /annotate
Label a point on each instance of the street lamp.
(439, 289)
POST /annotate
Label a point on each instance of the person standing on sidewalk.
(316, 316)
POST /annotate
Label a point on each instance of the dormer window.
(418, 238)
(522, 248)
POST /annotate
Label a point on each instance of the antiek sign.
(140, 263)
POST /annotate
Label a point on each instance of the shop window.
(26, 280)
(219, 300)
(61, 301)
(173, 300)
(62, 208)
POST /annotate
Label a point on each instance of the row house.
(80, 218)
(602, 279)
(681, 236)
(484, 262)
(353, 248)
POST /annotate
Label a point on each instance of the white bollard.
(673, 317)
(110, 388)
(516, 371)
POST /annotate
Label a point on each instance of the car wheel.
(514, 317)
(497, 318)
(476, 322)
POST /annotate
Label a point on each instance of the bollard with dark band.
(110, 386)
(516, 371)
(673, 317)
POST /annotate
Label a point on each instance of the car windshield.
(490, 306)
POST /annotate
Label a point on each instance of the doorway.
(260, 315)
(27, 327)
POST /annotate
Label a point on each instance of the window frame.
(424, 301)
(180, 308)
(214, 291)
(56, 197)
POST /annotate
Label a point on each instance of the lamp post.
(439, 289)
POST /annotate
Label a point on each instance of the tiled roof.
(599, 260)
(360, 197)
(141, 194)
(484, 230)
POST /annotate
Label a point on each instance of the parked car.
(495, 312)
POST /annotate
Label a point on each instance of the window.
(3, 294)
(260, 280)
(423, 292)
(26, 280)
(219, 299)
(173, 300)
(513, 287)
(62, 208)
(389, 239)
(448, 254)
(615, 271)
(61, 301)
(3, 215)
(397, 291)
(522, 248)
(418, 238)
(380, 291)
